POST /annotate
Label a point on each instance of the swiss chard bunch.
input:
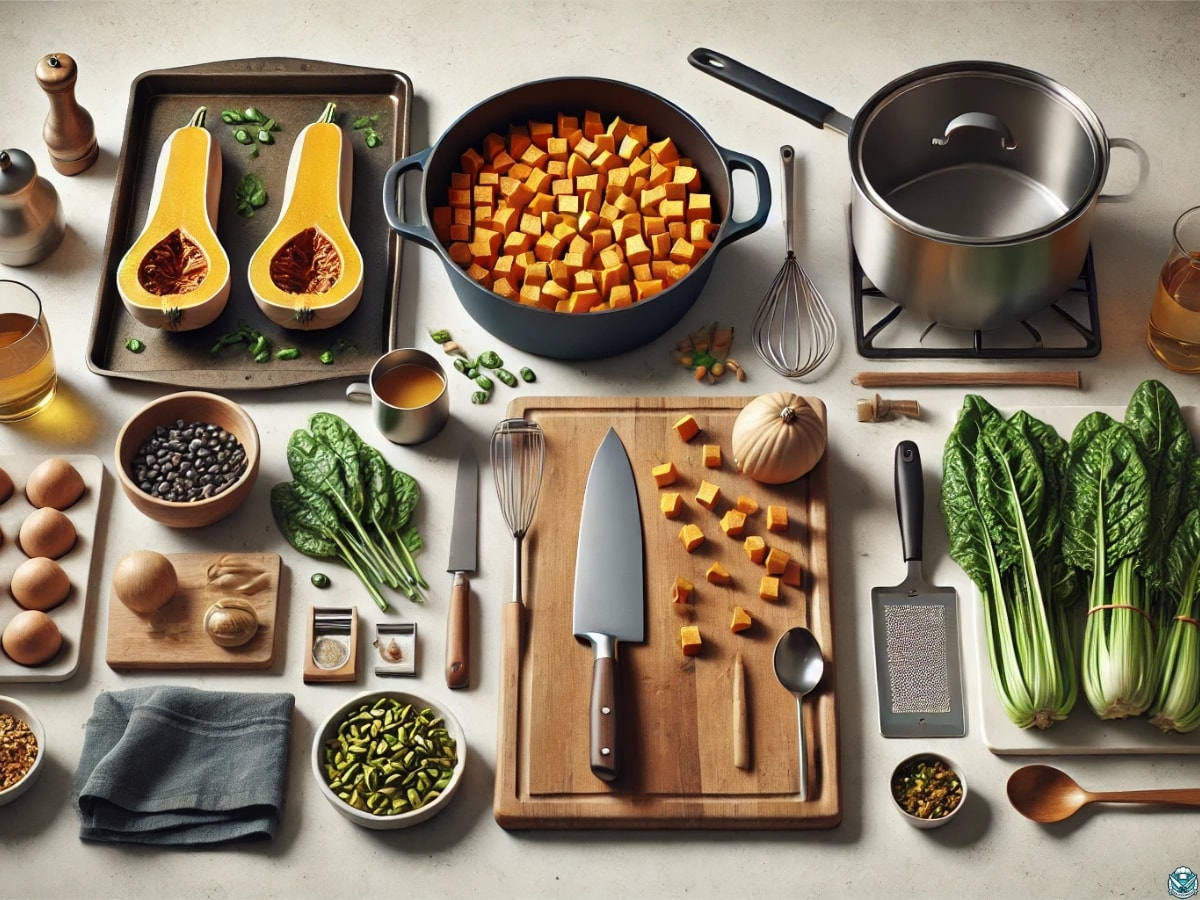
(1000, 496)
(347, 502)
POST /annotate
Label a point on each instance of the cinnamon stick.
(1069, 379)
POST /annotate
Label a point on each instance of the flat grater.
(918, 663)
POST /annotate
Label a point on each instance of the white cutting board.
(1081, 733)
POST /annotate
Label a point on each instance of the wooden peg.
(876, 409)
(69, 132)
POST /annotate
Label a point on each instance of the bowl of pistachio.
(389, 759)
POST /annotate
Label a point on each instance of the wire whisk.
(794, 330)
(518, 457)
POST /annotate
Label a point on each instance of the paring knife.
(610, 601)
(463, 539)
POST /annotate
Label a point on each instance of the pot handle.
(762, 183)
(813, 111)
(1143, 171)
(393, 200)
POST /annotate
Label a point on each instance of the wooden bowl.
(189, 406)
(19, 710)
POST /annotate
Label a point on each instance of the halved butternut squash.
(308, 272)
(176, 274)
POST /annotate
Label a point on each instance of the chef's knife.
(610, 602)
(463, 539)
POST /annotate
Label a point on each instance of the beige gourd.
(291, 288)
(779, 437)
(176, 273)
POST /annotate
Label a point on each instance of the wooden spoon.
(1047, 794)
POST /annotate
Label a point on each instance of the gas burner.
(1069, 328)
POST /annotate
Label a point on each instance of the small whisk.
(793, 329)
(518, 456)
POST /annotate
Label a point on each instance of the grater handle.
(910, 500)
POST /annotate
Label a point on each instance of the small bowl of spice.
(22, 749)
(188, 459)
(389, 759)
(928, 789)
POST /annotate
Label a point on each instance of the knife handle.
(458, 633)
(910, 499)
(603, 752)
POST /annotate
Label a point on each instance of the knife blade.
(463, 538)
(610, 602)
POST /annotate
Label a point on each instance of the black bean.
(188, 461)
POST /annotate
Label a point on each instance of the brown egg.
(31, 638)
(46, 532)
(54, 483)
(40, 583)
(6, 486)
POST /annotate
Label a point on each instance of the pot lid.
(17, 171)
(978, 153)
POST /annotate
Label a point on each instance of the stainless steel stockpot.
(974, 184)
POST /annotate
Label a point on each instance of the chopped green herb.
(251, 194)
(133, 345)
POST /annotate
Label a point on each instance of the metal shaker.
(31, 219)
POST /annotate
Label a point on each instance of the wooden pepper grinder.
(69, 132)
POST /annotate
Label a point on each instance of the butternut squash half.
(176, 274)
(308, 272)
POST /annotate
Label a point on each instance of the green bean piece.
(484, 382)
(527, 374)
(288, 353)
(372, 138)
(133, 345)
(490, 359)
(264, 356)
(253, 115)
(440, 336)
(264, 136)
(231, 117)
(480, 397)
(506, 376)
(460, 365)
(242, 136)
(326, 357)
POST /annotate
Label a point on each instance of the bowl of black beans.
(188, 459)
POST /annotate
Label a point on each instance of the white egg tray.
(71, 614)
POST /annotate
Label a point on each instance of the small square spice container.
(396, 643)
(332, 645)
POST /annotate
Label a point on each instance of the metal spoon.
(799, 666)
(1047, 794)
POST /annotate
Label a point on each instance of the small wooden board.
(174, 637)
(677, 732)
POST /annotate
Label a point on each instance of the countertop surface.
(1133, 63)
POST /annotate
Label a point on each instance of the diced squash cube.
(708, 494)
(740, 621)
(756, 548)
(699, 207)
(687, 427)
(746, 504)
(711, 454)
(689, 639)
(777, 561)
(733, 523)
(471, 162)
(665, 151)
(691, 536)
(620, 295)
(671, 504)
(681, 590)
(688, 176)
(540, 133)
(768, 588)
(718, 574)
(665, 474)
(777, 518)
(644, 288)
(792, 573)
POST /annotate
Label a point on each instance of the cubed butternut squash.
(665, 474)
(777, 518)
(792, 574)
(747, 504)
(691, 536)
(711, 455)
(681, 590)
(740, 621)
(776, 561)
(708, 494)
(671, 504)
(690, 640)
(733, 523)
(768, 588)
(718, 574)
(756, 548)
(687, 427)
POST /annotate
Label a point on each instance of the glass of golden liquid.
(1174, 331)
(27, 375)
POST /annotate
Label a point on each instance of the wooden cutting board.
(677, 731)
(173, 637)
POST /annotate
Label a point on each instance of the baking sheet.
(71, 615)
(294, 92)
(1082, 733)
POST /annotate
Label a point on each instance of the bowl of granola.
(928, 789)
(22, 749)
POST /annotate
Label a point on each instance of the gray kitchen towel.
(182, 766)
